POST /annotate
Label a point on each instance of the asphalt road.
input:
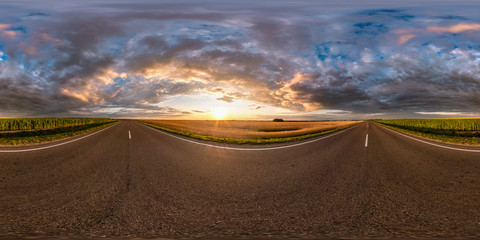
(131, 180)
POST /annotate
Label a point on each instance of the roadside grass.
(446, 135)
(247, 140)
(49, 135)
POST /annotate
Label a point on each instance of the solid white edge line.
(433, 144)
(56, 145)
(251, 149)
(366, 140)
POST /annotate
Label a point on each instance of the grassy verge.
(442, 136)
(48, 135)
(245, 140)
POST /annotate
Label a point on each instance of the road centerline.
(129, 135)
(366, 140)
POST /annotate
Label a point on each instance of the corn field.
(435, 124)
(16, 124)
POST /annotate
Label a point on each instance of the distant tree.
(278, 120)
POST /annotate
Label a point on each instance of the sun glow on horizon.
(219, 114)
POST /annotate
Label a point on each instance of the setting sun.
(219, 114)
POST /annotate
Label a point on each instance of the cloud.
(444, 113)
(302, 57)
(226, 99)
(7, 32)
(315, 91)
(457, 28)
(402, 39)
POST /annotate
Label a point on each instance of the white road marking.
(433, 144)
(366, 140)
(251, 149)
(56, 145)
(129, 135)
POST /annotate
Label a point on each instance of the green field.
(453, 130)
(16, 124)
(22, 131)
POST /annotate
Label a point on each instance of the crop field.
(462, 125)
(21, 124)
(21, 131)
(454, 130)
(248, 131)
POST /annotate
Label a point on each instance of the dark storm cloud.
(339, 91)
(395, 14)
(33, 14)
(453, 17)
(120, 59)
(20, 94)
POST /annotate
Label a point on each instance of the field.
(460, 130)
(19, 124)
(21, 131)
(253, 132)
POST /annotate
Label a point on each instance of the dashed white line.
(252, 149)
(129, 135)
(51, 146)
(366, 140)
(433, 144)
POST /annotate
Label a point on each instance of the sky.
(297, 60)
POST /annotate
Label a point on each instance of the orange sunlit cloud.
(405, 35)
(458, 28)
(292, 97)
(48, 38)
(77, 95)
(7, 33)
(4, 26)
(405, 38)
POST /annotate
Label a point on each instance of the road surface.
(131, 180)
